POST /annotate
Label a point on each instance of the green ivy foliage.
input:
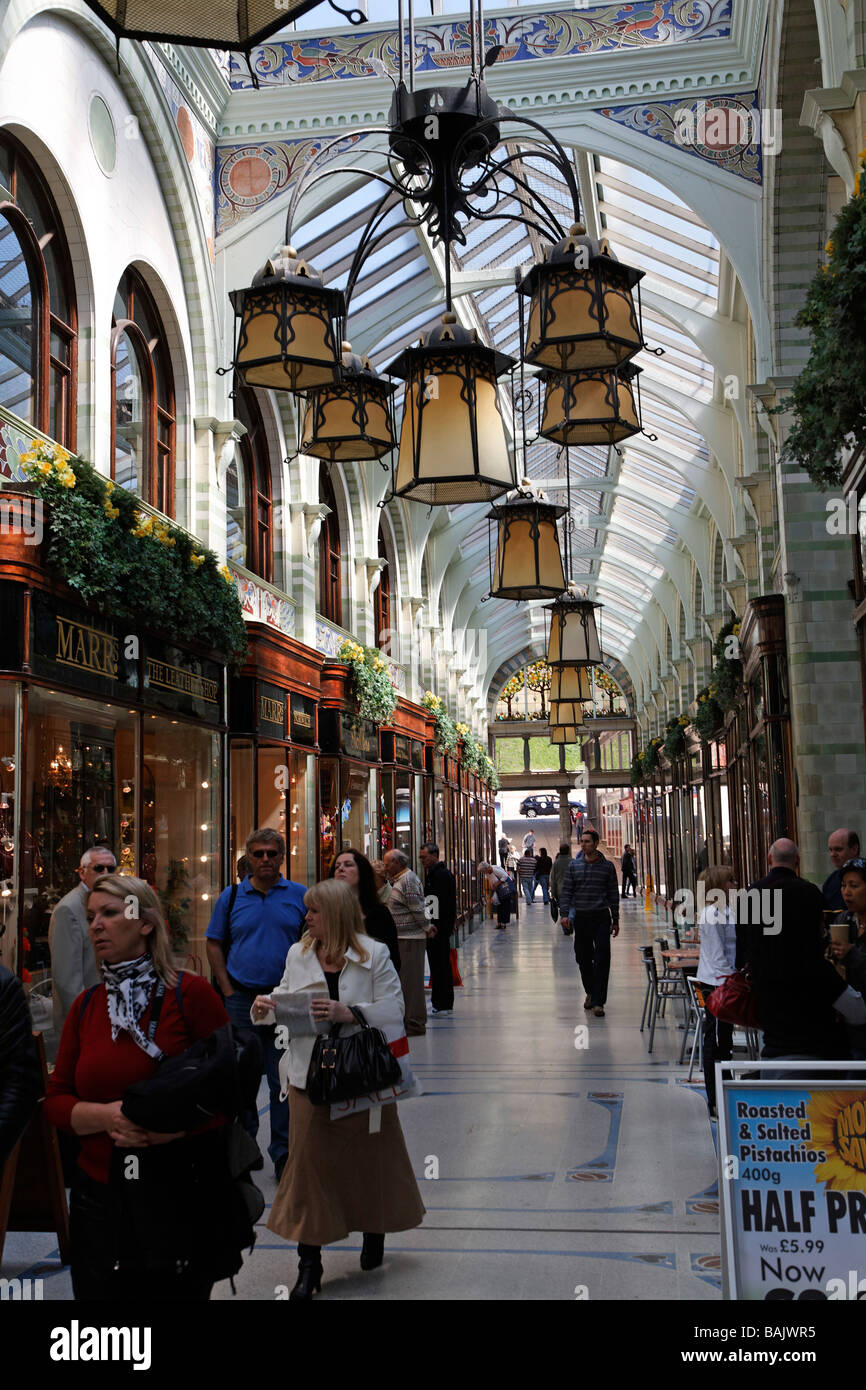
(149, 579)
(828, 400)
(727, 671)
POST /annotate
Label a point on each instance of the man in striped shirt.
(589, 898)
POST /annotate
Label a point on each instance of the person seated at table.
(717, 924)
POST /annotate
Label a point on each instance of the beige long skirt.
(341, 1178)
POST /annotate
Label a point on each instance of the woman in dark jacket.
(153, 1237)
(353, 869)
(852, 954)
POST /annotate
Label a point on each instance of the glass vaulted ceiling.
(622, 529)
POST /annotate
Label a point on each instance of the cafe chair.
(660, 988)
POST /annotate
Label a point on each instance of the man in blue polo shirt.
(248, 938)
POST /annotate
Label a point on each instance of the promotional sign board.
(792, 1159)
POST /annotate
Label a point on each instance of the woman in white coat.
(352, 1173)
(718, 928)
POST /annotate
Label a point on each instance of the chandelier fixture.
(450, 156)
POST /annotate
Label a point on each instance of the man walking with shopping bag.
(589, 900)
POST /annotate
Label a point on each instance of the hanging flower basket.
(709, 717)
(675, 737)
(129, 564)
(372, 688)
(727, 681)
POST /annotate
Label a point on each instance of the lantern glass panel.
(563, 733)
(566, 712)
(570, 683)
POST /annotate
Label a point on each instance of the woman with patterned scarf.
(142, 1202)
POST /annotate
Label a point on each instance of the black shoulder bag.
(346, 1068)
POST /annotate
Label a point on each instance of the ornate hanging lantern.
(350, 419)
(570, 683)
(581, 311)
(598, 406)
(527, 563)
(567, 713)
(290, 327)
(573, 639)
(564, 733)
(452, 443)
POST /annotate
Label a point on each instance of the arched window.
(382, 597)
(38, 323)
(142, 397)
(249, 528)
(330, 598)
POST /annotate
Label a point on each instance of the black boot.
(373, 1251)
(309, 1272)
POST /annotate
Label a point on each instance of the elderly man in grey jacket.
(406, 905)
(73, 964)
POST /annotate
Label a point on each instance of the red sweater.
(91, 1067)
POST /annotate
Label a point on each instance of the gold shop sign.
(175, 678)
(87, 648)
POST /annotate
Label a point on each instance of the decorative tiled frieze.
(567, 33)
(262, 605)
(723, 130)
(248, 176)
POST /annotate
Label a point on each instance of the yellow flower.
(109, 485)
(736, 629)
(227, 574)
(830, 248)
(196, 561)
(66, 477)
(44, 466)
(110, 511)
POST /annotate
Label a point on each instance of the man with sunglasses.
(248, 938)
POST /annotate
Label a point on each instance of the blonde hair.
(341, 915)
(716, 876)
(149, 909)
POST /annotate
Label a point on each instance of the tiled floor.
(564, 1170)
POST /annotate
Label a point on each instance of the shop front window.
(386, 812)
(403, 814)
(329, 800)
(355, 817)
(241, 792)
(180, 848)
(300, 808)
(9, 779)
(81, 766)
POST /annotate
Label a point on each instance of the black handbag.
(346, 1068)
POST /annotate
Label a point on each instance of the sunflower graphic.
(838, 1120)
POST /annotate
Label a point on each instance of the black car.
(533, 806)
